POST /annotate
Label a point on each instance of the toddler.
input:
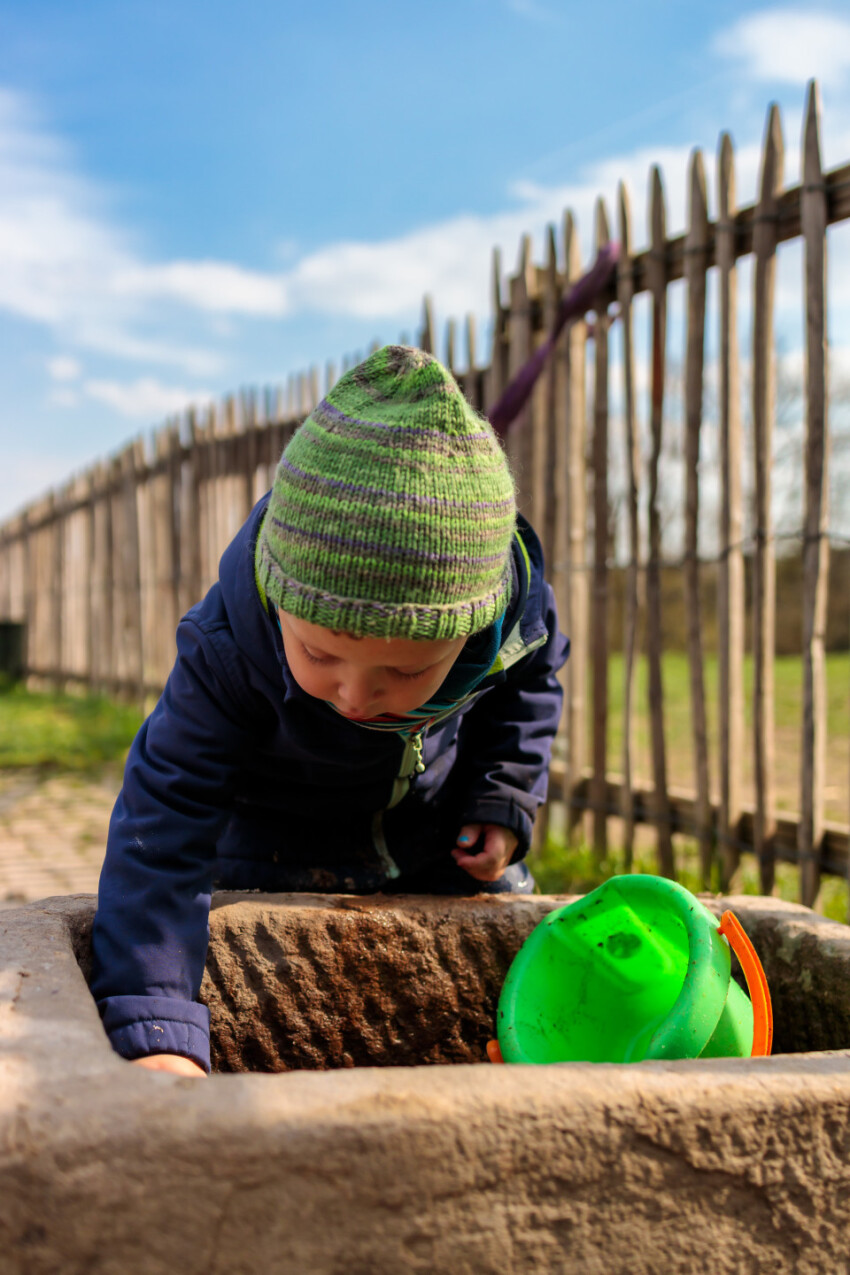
(365, 700)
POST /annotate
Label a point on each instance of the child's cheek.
(313, 681)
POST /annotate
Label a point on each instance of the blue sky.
(195, 197)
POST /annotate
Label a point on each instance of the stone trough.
(388, 1145)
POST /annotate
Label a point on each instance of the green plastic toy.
(637, 969)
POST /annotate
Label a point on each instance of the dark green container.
(12, 645)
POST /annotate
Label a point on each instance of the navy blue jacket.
(239, 779)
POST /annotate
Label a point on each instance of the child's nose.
(359, 691)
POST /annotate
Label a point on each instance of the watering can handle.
(737, 938)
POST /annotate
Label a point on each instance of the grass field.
(788, 703)
(62, 732)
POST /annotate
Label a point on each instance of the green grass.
(788, 709)
(561, 869)
(63, 732)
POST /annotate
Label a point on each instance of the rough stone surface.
(728, 1165)
(355, 983)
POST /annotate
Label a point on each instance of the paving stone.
(53, 831)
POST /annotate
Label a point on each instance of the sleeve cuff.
(142, 1025)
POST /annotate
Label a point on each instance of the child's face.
(365, 677)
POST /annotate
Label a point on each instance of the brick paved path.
(53, 832)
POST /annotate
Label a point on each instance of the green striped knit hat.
(392, 510)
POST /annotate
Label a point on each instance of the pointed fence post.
(730, 581)
(599, 612)
(520, 347)
(426, 334)
(815, 543)
(575, 550)
(696, 265)
(765, 238)
(625, 294)
(657, 279)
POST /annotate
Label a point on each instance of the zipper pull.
(419, 765)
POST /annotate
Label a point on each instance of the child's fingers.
(468, 835)
(174, 1063)
(490, 862)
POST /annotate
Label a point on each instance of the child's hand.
(487, 860)
(174, 1063)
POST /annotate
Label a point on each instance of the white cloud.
(789, 46)
(63, 368)
(66, 265)
(144, 399)
(213, 286)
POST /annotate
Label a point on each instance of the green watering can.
(637, 969)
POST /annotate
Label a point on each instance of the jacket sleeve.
(152, 924)
(505, 742)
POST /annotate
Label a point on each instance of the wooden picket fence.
(101, 570)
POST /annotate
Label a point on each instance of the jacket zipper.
(411, 764)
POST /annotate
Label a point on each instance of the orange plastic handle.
(738, 940)
(494, 1053)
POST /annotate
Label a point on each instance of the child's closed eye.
(397, 672)
(316, 659)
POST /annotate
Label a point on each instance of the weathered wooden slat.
(231, 461)
(658, 277)
(471, 379)
(171, 532)
(541, 440)
(208, 498)
(190, 517)
(35, 581)
(764, 567)
(695, 275)
(100, 626)
(552, 457)
(815, 542)
(250, 452)
(127, 660)
(426, 334)
(730, 592)
(496, 375)
(599, 606)
(577, 609)
(625, 294)
(518, 443)
(146, 481)
(451, 346)
(548, 464)
(55, 540)
(75, 530)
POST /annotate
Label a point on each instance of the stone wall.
(731, 1165)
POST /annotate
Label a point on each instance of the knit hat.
(392, 510)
